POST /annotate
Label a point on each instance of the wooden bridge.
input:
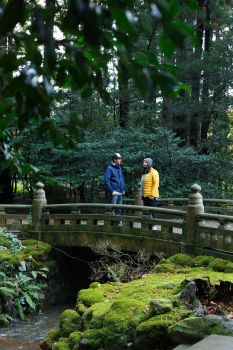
(182, 224)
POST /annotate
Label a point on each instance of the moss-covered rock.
(123, 316)
(93, 295)
(202, 260)
(160, 306)
(69, 321)
(92, 339)
(73, 340)
(164, 267)
(181, 259)
(193, 329)
(142, 312)
(218, 264)
(229, 267)
(52, 337)
(93, 317)
(154, 331)
(61, 344)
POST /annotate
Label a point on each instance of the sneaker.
(119, 224)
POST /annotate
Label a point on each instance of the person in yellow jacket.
(149, 185)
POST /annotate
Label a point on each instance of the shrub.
(181, 259)
(202, 260)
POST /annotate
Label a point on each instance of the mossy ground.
(35, 250)
(121, 314)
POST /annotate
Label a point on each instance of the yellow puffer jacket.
(151, 184)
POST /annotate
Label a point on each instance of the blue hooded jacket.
(114, 178)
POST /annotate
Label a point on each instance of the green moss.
(124, 315)
(93, 317)
(95, 285)
(160, 306)
(202, 260)
(62, 344)
(92, 339)
(165, 267)
(69, 321)
(5, 242)
(218, 264)
(52, 337)
(36, 248)
(96, 294)
(154, 331)
(31, 248)
(73, 339)
(81, 308)
(195, 328)
(158, 324)
(183, 270)
(229, 267)
(181, 259)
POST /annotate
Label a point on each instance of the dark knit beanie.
(149, 162)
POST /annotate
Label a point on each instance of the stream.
(28, 335)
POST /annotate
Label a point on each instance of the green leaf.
(184, 87)
(20, 310)
(6, 292)
(29, 301)
(166, 45)
(192, 4)
(34, 274)
(122, 20)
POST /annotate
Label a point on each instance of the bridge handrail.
(205, 200)
(15, 206)
(114, 206)
(181, 223)
(216, 217)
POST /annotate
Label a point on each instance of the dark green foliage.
(202, 260)
(181, 259)
(21, 285)
(179, 167)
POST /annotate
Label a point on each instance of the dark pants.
(148, 202)
(117, 199)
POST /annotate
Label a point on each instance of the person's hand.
(115, 193)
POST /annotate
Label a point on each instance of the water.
(28, 335)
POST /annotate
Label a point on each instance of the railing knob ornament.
(194, 208)
(195, 188)
(39, 201)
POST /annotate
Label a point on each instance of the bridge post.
(38, 202)
(137, 198)
(194, 208)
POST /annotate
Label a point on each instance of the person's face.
(118, 161)
(145, 164)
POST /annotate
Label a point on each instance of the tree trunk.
(123, 96)
(6, 188)
(206, 119)
(196, 80)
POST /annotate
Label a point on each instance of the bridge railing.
(190, 227)
(215, 232)
(15, 217)
(131, 216)
(218, 206)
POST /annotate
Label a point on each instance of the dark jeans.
(148, 202)
(117, 199)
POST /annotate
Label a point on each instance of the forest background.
(81, 80)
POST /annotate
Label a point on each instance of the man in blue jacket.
(114, 181)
